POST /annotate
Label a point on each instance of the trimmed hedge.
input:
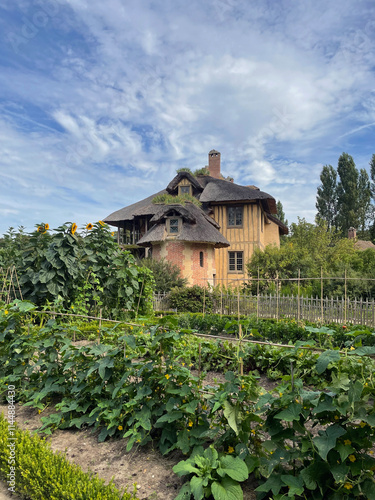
(39, 473)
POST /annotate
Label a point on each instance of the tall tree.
(326, 199)
(347, 194)
(364, 200)
(372, 187)
(280, 213)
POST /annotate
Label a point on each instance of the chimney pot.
(352, 233)
(214, 164)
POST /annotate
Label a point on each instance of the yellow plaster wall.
(244, 239)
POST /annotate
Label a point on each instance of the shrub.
(39, 473)
(166, 274)
(190, 299)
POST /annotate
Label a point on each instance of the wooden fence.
(327, 310)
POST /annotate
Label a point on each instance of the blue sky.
(101, 102)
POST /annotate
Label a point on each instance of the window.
(236, 262)
(184, 190)
(173, 225)
(201, 259)
(235, 216)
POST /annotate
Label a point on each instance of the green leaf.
(291, 413)
(344, 450)
(295, 484)
(309, 476)
(169, 417)
(234, 467)
(274, 483)
(226, 490)
(363, 351)
(196, 486)
(325, 359)
(184, 493)
(231, 414)
(185, 467)
(327, 440)
(339, 472)
(368, 488)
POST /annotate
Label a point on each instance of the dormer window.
(184, 189)
(173, 225)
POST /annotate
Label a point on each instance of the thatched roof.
(220, 190)
(364, 245)
(197, 227)
(172, 186)
(212, 191)
(143, 207)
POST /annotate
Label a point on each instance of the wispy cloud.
(102, 101)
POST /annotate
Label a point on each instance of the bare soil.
(151, 471)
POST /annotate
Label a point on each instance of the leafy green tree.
(347, 194)
(364, 200)
(326, 199)
(166, 274)
(280, 213)
(309, 250)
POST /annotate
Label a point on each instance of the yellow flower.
(230, 449)
(167, 376)
(6, 311)
(40, 229)
(336, 417)
(184, 400)
(190, 424)
(73, 228)
(113, 233)
(46, 226)
(352, 348)
(183, 364)
(348, 486)
(39, 411)
(101, 223)
(253, 431)
(347, 441)
(89, 226)
(352, 458)
(281, 393)
(363, 424)
(120, 427)
(242, 386)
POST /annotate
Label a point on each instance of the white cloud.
(109, 99)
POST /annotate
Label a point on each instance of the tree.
(326, 199)
(364, 199)
(347, 194)
(280, 213)
(166, 274)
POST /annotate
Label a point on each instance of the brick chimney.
(214, 164)
(352, 233)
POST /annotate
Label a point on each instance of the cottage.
(211, 235)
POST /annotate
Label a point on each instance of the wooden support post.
(258, 295)
(321, 295)
(345, 289)
(298, 297)
(100, 324)
(204, 300)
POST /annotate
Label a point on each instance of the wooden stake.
(321, 295)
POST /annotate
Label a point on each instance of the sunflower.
(101, 222)
(40, 229)
(89, 226)
(46, 226)
(73, 228)
(113, 233)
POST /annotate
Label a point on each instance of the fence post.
(277, 296)
(345, 284)
(298, 298)
(258, 296)
(321, 294)
(204, 300)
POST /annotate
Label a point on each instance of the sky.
(101, 102)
